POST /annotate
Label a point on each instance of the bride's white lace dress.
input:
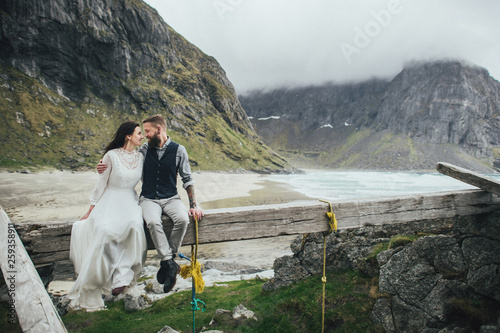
(108, 249)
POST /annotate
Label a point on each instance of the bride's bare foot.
(118, 291)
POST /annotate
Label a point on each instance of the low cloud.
(263, 44)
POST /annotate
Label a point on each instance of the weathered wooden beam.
(470, 177)
(49, 242)
(27, 295)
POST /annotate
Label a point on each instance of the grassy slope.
(41, 128)
(383, 150)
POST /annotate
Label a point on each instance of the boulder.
(346, 249)
(441, 283)
(132, 303)
(232, 318)
(167, 329)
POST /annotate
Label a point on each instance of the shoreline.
(63, 196)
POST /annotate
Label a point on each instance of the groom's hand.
(196, 213)
(101, 167)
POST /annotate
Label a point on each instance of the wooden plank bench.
(48, 242)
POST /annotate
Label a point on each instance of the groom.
(163, 160)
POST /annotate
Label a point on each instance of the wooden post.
(487, 184)
(27, 294)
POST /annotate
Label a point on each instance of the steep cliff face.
(71, 71)
(429, 112)
(317, 106)
(444, 102)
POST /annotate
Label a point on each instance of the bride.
(108, 245)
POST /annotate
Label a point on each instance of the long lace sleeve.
(102, 182)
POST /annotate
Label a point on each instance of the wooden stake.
(485, 183)
(27, 295)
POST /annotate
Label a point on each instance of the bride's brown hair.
(127, 128)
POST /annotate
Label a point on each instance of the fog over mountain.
(430, 112)
(288, 43)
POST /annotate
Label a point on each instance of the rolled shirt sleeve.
(102, 182)
(184, 167)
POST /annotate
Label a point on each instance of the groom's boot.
(167, 274)
(162, 272)
(172, 269)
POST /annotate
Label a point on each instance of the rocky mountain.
(71, 71)
(431, 111)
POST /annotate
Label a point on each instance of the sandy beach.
(63, 196)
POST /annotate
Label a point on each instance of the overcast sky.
(272, 43)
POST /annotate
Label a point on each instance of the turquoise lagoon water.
(338, 185)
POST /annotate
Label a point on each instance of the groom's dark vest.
(159, 179)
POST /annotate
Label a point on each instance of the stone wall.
(446, 281)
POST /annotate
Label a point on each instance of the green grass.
(398, 240)
(299, 308)
(402, 240)
(296, 308)
(293, 309)
(496, 152)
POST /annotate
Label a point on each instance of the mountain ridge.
(71, 72)
(430, 111)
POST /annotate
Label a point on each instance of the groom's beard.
(154, 141)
